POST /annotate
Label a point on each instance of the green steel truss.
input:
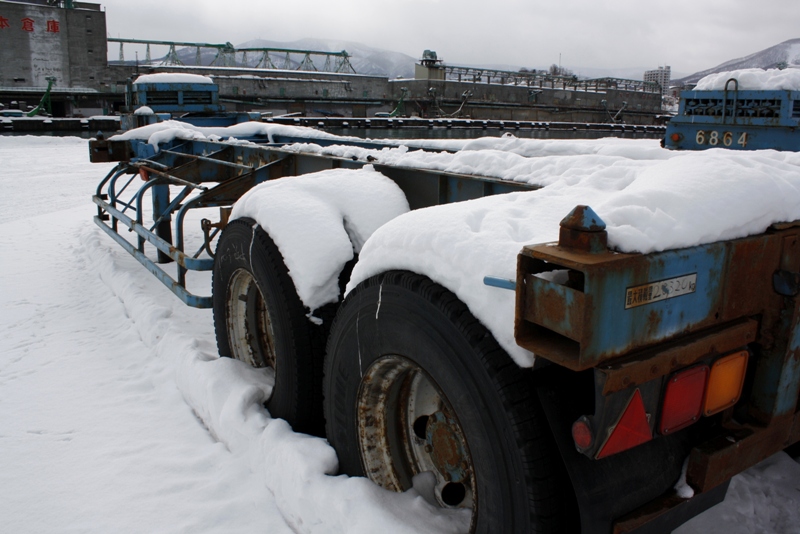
(228, 55)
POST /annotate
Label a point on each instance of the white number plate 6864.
(715, 138)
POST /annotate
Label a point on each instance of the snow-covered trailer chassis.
(216, 175)
(643, 361)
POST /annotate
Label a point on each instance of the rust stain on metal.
(649, 364)
(550, 304)
(719, 459)
(649, 512)
(745, 293)
(737, 280)
(653, 323)
(445, 451)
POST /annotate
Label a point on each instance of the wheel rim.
(406, 427)
(249, 327)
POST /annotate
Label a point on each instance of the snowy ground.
(116, 416)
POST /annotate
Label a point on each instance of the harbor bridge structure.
(227, 55)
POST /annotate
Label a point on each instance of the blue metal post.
(160, 193)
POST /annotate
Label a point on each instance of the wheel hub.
(249, 327)
(407, 427)
(446, 450)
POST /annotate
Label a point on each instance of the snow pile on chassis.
(416, 376)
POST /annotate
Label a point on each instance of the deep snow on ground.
(117, 416)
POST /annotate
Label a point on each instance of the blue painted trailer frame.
(627, 322)
(186, 175)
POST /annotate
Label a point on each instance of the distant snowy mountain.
(379, 62)
(365, 59)
(786, 54)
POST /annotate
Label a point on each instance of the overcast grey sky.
(689, 35)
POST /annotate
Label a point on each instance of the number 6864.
(715, 138)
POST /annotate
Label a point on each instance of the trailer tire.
(260, 320)
(414, 382)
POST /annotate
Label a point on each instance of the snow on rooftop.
(752, 79)
(173, 77)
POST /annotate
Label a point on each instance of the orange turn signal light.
(676, 137)
(725, 382)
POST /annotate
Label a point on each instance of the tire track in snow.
(228, 396)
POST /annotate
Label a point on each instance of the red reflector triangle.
(631, 430)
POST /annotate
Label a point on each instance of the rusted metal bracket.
(105, 151)
(716, 461)
(582, 306)
(207, 225)
(654, 363)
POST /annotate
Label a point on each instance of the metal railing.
(545, 80)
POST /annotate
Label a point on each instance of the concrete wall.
(286, 91)
(314, 87)
(88, 48)
(38, 41)
(518, 102)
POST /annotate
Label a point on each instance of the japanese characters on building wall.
(42, 41)
(33, 46)
(28, 24)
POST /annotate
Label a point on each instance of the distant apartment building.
(661, 75)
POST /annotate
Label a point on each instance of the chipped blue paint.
(614, 329)
(753, 119)
(502, 283)
(583, 218)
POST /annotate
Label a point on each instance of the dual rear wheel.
(417, 393)
(414, 384)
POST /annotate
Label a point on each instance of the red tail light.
(683, 399)
(631, 430)
(582, 434)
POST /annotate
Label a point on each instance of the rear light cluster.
(701, 390)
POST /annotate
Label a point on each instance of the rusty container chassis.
(627, 322)
(603, 329)
(188, 175)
